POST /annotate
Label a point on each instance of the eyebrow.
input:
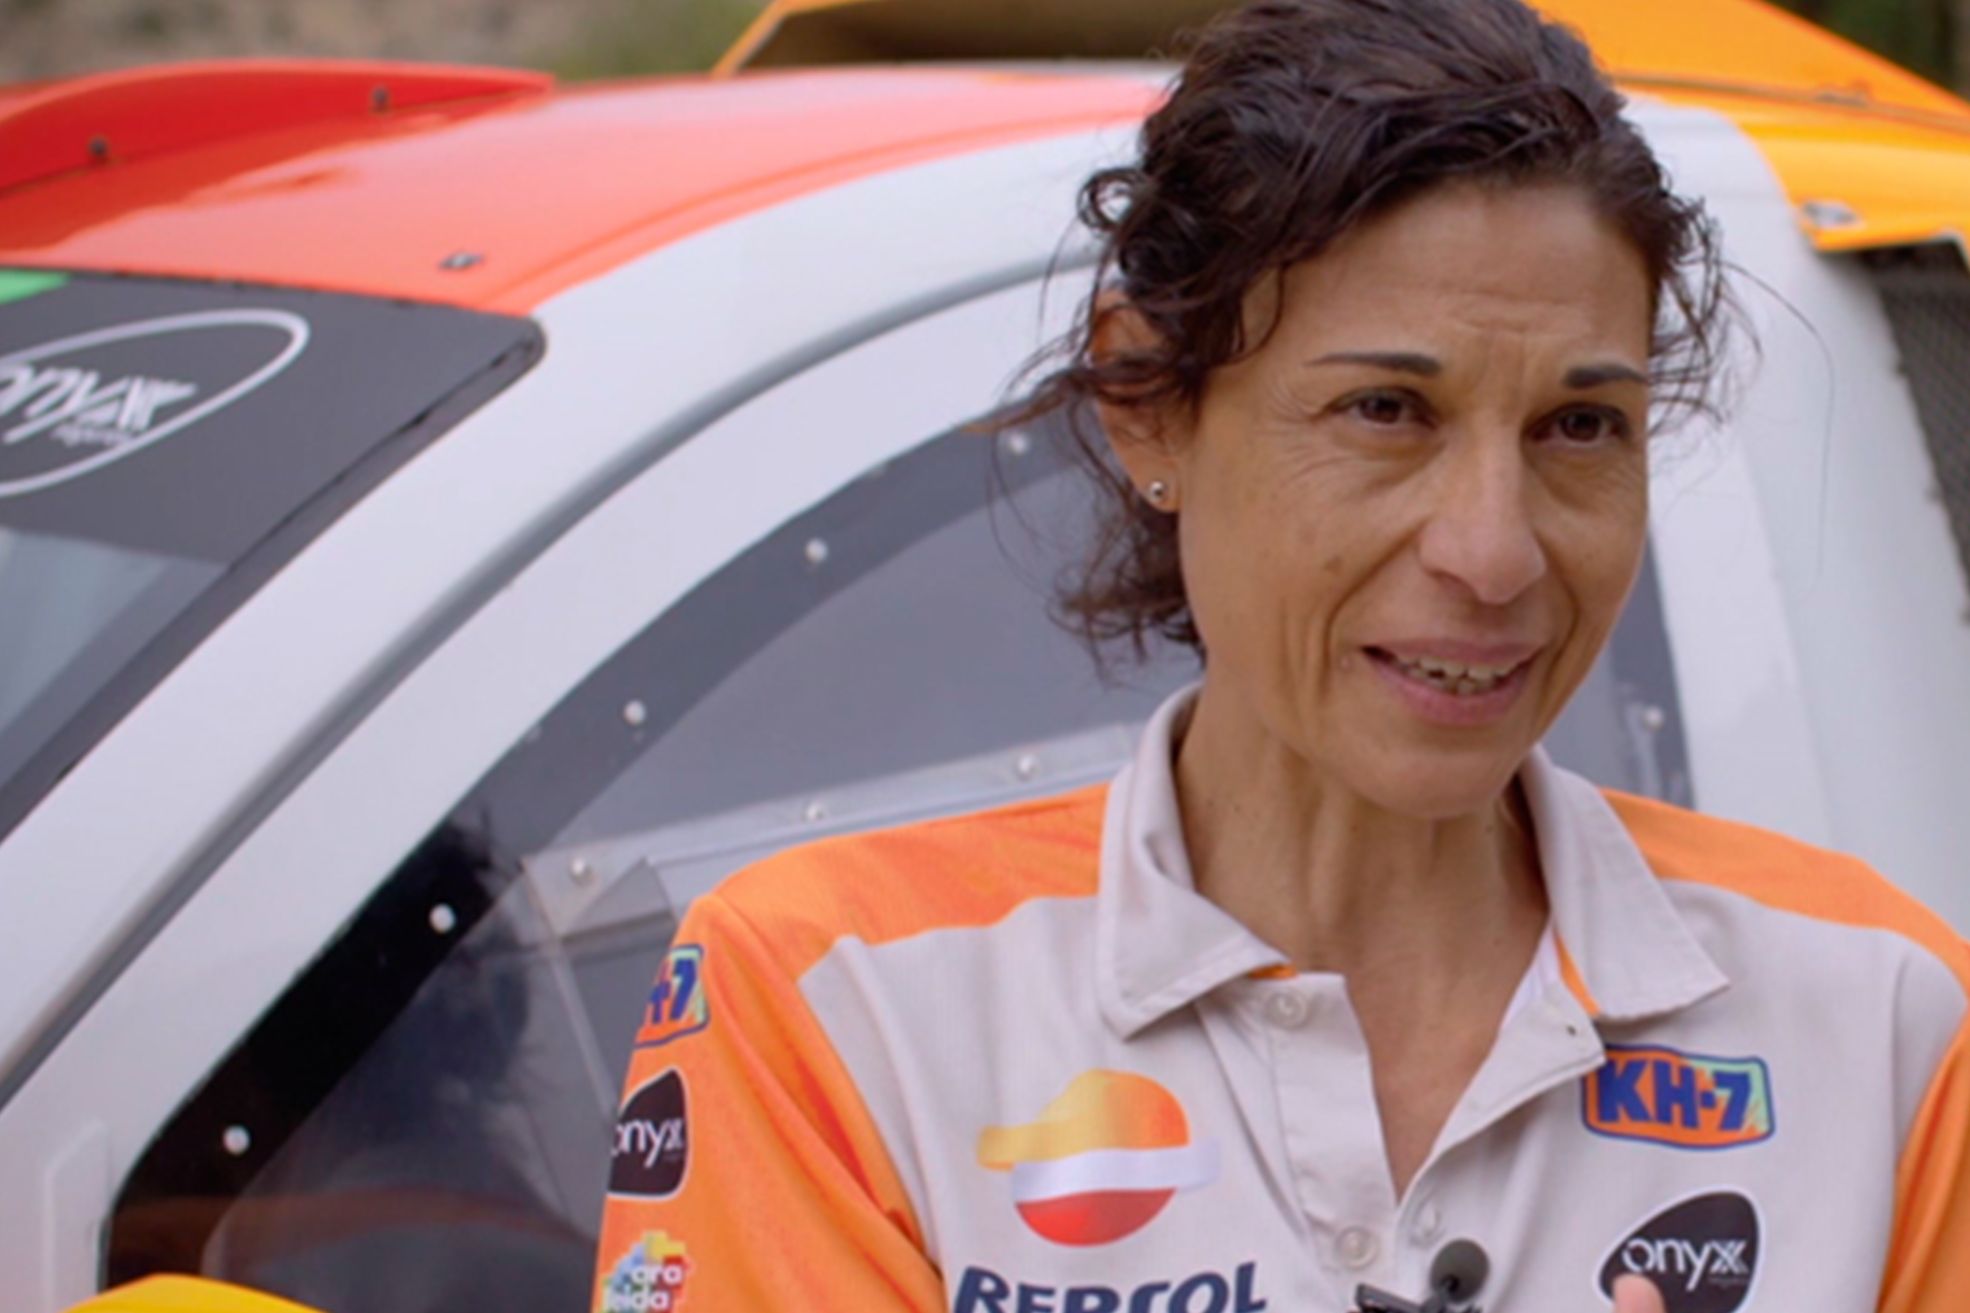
(1608, 371)
(1403, 362)
(1580, 377)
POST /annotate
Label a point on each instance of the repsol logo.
(653, 1140)
(981, 1290)
(1701, 1253)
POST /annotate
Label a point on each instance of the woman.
(1341, 968)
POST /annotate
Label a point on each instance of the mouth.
(1470, 688)
(1457, 678)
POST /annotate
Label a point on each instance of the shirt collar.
(1622, 947)
(1625, 950)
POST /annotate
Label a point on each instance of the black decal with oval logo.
(653, 1141)
(73, 404)
(1702, 1253)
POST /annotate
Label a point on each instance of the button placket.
(1330, 1130)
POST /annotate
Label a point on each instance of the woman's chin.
(1438, 786)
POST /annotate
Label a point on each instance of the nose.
(1480, 533)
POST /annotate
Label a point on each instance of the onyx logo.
(74, 404)
(1702, 1253)
(653, 1141)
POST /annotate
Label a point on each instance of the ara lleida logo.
(1683, 1100)
(77, 403)
(1701, 1253)
(649, 1278)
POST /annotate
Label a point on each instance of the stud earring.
(1158, 492)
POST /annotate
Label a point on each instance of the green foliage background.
(644, 36)
(1918, 34)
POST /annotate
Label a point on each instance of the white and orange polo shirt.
(1014, 1063)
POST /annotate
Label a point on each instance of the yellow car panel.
(175, 1294)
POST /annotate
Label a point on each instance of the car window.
(425, 1119)
(165, 446)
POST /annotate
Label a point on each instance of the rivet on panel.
(443, 919)
(1018, 444)
(236, 1140)
(581, 872)
(816, 551)
(635, 713)
(816, 811)
(1653, 719)
(1828, 214)
(1027, 766)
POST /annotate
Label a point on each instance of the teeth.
(1455, 677)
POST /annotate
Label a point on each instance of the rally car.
(448, 521)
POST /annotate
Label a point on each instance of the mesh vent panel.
(1926, 293)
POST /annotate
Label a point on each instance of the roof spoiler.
(51, 128)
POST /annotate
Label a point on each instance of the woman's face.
(1408, 522)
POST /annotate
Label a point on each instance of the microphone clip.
(1456, 1275)
(1370, 1299)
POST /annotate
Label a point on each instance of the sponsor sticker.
(77, 403)
(1701, 1253)
(981, 1290)
(1683, 1100)
(1101, 1161)
(677, 1005)
(653, 1141)
(649, 1278)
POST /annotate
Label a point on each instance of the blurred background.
(612, 38)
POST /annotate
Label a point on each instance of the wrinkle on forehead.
(1466, 270)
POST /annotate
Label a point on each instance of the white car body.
(161, 898)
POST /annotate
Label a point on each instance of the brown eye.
(1590, 425)
(1382, 408)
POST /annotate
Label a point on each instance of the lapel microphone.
(1457, 1273)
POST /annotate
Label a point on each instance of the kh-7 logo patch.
(678, 1005)
(1683, 1100)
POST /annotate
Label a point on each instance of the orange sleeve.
(747, 1173)
(1929, 1254)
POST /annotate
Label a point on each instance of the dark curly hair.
(1292, 122)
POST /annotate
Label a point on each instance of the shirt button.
(1357, 1247)
(1286, 1010)
(1428, 1224)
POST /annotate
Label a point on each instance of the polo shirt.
(1013, 1062)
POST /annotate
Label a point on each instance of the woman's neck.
(1398, 903)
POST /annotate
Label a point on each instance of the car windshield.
(164, 447)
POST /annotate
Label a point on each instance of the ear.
(1146, 440)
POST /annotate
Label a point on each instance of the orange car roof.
(493, 189)
(465, 186)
